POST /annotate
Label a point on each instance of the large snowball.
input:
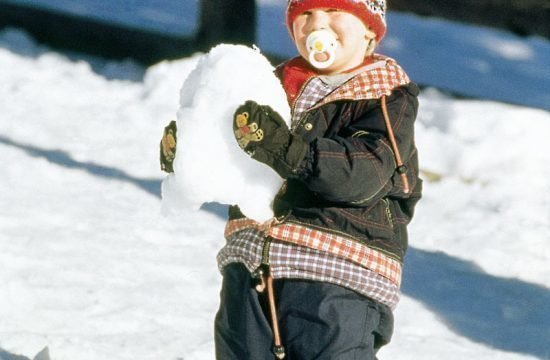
(209, 165)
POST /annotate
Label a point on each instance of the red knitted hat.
(371, 12)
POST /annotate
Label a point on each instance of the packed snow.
(91, 269)
(210, 167)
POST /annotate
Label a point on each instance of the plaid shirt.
(290, 261)
(372, 81)
(315, 90)
(300, 252)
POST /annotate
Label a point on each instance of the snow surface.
(209, 165)
(91, 269)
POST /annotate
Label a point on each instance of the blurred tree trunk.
(228, 21)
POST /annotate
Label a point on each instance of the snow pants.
(317, 321)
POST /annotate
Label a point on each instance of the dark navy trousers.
(317, 321)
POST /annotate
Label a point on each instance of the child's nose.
(318, 20)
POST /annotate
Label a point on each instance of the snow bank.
(209, 165)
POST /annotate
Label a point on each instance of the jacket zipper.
(301, 120)
(263, 270)
(265, 251)
(387, 210)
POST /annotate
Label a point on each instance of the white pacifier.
(321, 44)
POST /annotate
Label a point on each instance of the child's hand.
(168, 147)
(263, 134)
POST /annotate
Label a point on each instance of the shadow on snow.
(503, 313)
(62, 158)
(42, 355)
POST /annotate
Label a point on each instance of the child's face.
(351, 34)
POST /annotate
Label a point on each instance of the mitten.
(168, 147)
(263, 134)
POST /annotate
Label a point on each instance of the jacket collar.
(378, 76)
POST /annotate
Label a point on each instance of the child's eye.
(333, 10)
(306, 13)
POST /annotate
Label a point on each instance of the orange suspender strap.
(279, 350)
(266, 283)
(401, 168)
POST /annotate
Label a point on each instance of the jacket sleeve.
(357, 164)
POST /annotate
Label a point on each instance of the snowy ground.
(90, 268)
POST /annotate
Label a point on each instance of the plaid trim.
(340, 246)
(337, 245)
(376, 80)
(370, 82)
(290, 261)
(233, 226)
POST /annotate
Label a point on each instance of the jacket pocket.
(374, 222)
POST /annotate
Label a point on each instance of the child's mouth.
(321, 46)
(322, 57)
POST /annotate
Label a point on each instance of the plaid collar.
(378, 77)
(314, 91)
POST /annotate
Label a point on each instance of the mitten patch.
(245, 132)
(168, 145)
